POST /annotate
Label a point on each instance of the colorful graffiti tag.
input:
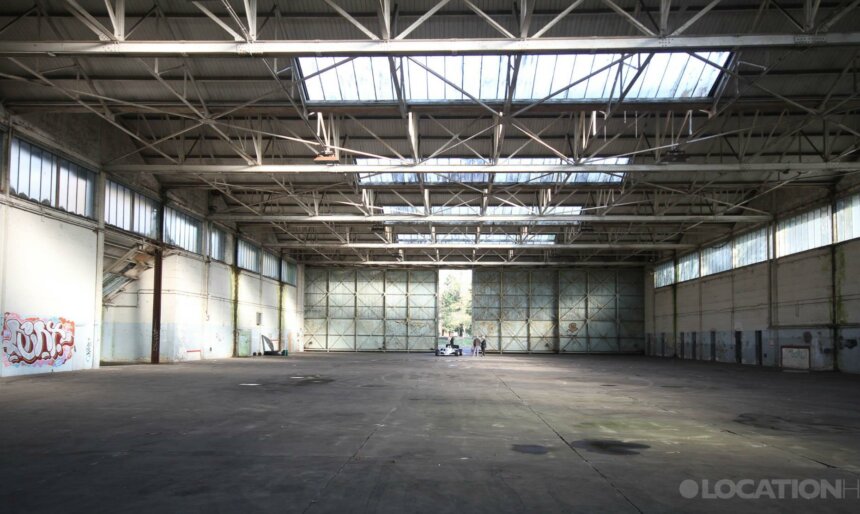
(37, 341)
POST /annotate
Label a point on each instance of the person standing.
(483, 346)
(476, 343)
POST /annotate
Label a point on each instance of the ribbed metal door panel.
(572, 300)
(316, 309)
(631, 310)
(515, 309)
(421, 326)
(543, 310)
(370, 310)
(486, 306)
(396, 310)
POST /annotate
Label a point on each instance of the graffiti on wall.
(37, 341)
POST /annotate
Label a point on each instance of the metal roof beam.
(334, 169)
(494, 219)
(484, 263)
(483, 246)
(296, 48)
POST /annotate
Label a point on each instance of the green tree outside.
(455, 303)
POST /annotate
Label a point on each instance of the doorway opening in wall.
(455, 306)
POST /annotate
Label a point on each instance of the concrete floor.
(417, 433)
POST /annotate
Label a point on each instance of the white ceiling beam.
(297, 48)
(486, 263)
(500, 219)
(333, 169)
(483, 246)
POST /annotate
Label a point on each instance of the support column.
(834, 286)
(156, 307)
(156, 287)
(234, 268)
(98, 205)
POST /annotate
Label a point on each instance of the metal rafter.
(415, 47)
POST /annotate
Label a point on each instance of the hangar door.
(370, 310)
(563, 311)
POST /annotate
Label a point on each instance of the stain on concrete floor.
(531, 449)
(609, 446)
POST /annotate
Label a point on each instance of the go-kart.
(449, 350)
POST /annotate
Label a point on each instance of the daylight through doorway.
(455, 304)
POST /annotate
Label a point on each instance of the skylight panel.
(387, 178)
(442, 178)
(365, 79)
(455, 210)
(348, 81)
(417, 78)
(455, 238)
(511, 210)
(564, 210)
(383, 177)
(539, 239)
(436, 87)
(499, 238)
(493, 77)
(668, 76)
(414, 238)
(402, 209)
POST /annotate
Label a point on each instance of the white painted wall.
(196, 314)
(128, 323)
(218, 313)
(195, 321)
(290, 319)
(257, 295)
(795, 308)
(48, 270)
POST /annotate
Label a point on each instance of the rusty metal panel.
(316, 309)
(601, 310)
(421, 326)
(486, 306)
(395, 335)
(601, 322)
(315, 334)
(631, 310)
(515, 311)
(395, 295)
(370, 310)
(341, 334)
(572, 311)
(543, 310)
(370, 290)
(316, 293)
(369, 334)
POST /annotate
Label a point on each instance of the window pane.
(39, 175)
(217, 244)
(688, 267)
(716, 259)
(804, 232)
(182, 230)
(664, 274)
(750, 248)
(249, 256)
(848, 218)
(271, 266)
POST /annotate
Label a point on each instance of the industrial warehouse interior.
(432, 256)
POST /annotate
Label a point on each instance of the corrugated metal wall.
(370, 310)
(559, 310)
